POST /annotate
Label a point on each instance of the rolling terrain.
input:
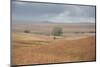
(38, 47)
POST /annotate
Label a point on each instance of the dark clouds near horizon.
(52, 12)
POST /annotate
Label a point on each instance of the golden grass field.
(30, 48)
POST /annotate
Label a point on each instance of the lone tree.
(57, 31)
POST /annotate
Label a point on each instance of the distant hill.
(45, 27)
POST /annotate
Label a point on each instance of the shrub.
(26, 31)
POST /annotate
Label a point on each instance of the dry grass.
(39, 49)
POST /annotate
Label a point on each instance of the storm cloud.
(52, 12)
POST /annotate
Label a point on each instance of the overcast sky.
(52, 12)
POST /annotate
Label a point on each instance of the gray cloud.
(77, 14)
(52, 12)
(24, 8)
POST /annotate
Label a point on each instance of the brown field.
(28, 48)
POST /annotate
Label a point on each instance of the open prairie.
(38, 46)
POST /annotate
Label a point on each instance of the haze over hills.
(24, 21)
(45, 27)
